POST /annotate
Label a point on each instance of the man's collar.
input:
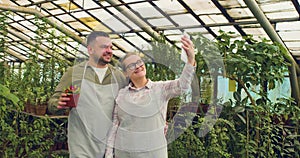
(82, 64)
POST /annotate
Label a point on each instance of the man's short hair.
(93, 35)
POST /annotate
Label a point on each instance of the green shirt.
(73, 76)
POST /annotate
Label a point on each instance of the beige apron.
(141, 130)
(89, 122)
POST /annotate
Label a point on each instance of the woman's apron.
(89, 122)
(141, 129)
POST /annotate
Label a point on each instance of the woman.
(140, 112)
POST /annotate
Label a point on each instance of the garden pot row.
(36, 109)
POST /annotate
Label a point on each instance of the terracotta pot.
(65, 146)
(27, 107)
(59, 145)
(41, 109)
(32, 109)
(54, 147)
(204, 108)
(73, 100)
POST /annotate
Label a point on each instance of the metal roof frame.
(230, 14)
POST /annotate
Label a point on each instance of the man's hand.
(62, 101)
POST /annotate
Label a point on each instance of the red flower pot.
(73, 100)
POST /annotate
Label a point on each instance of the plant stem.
(248, 135)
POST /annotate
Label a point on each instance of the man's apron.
(89, 122)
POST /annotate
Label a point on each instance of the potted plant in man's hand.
(73, 94)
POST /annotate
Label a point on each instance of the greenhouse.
(150, 78)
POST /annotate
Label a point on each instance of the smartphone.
(183, 55)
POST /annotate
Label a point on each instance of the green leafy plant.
(23, 134)
(249, 126)
(258, 63)
(73, 89)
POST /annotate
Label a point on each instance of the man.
(99, 83)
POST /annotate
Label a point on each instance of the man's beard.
(101, 61)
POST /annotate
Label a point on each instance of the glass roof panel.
(44, 12)
(11, 58)
(89, 21)
(170, 7)
(160, 22)
(130, 24)
(129, 1)
(293, 45)
(68, 6)
(286, 26)
(212, 19)
(172, 32)
(185, 19)
(56, 11)
(19, 27)
(202, 7)
(73, 29)
(102, 27)
(282, 15)
(146, 10)
(15, 48)
(113, 11)
(198, 29)
(122, 17)
(238, 13)
(100, 14)
(139, 42)
(13, 37)
(48, 6)
(175, 37)
(119, 53)
(23, 2)
(16, 17)
(65, 18)
(23, 47)
(277, 6)
(124, 45)
(81, 14)
(258, 32)
(115, 24)
(79, 26)
(231, 3)
(104, 3)
(145, 35)
(28, 24)
(86, 4)
(290, 36)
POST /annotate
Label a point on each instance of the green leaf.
(237, 96)
(242, 118)
(239, 109)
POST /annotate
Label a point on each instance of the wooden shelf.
(44, 116)
(47, 116)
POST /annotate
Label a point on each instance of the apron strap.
(84, 70)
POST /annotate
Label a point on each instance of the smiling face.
(134, 68)
(100, 51)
